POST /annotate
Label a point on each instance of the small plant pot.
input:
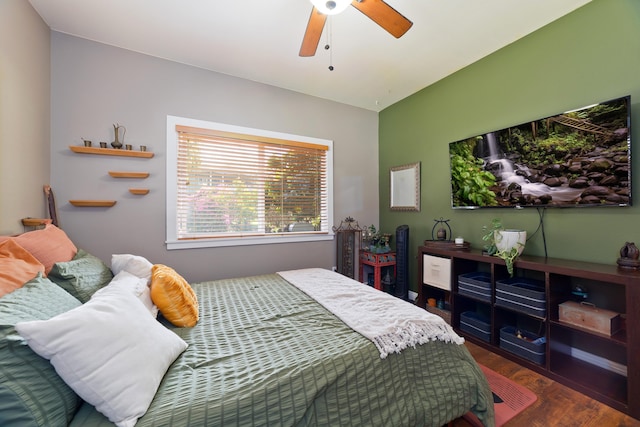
(507, 239)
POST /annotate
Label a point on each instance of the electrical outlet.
(413, 296)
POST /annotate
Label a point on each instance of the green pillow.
(82, 276)
(31, 392)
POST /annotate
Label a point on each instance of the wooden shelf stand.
(378, 262)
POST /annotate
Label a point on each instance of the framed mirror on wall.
(405, 187)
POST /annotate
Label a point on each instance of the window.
(229, 185)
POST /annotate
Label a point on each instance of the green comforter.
(265, 354)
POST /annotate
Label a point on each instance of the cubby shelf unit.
(606, 368)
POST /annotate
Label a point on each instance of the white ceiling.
(259, 39)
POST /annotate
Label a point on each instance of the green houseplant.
(488, 236)
(375, 241)
(507, 244)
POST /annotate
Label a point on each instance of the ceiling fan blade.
(384, 15)
(313, 33)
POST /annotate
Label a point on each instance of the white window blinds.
(236, 185)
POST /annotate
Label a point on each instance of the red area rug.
(509, 398)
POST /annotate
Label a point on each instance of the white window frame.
(172, 240)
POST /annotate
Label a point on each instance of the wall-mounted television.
(579, 158)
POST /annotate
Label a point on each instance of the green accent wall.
(590, 55)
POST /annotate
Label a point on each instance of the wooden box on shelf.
(590, 317)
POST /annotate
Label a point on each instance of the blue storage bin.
(476, 325)
(524, 295)
(532, 347)
(476, 285)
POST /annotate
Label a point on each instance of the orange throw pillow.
(49, 245)
(17, 266)
(173, 296)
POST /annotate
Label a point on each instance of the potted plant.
(489, 236)
(507, 244)
(375, 241)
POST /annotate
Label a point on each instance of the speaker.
(402, 262)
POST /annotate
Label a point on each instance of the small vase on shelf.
(117, 143)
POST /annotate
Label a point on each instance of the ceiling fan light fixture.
(331, 7)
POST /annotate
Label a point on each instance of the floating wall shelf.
(93, 203)
(139, 191)
(110, 151)
(117, 174)
(35, 222)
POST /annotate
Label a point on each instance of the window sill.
(245, 241)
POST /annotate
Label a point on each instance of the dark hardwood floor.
(557, 405)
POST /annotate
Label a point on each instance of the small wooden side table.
(377, 261)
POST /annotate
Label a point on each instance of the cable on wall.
(541, 212)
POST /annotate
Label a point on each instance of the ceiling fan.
(377, 10)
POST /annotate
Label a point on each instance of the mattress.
(266, 354)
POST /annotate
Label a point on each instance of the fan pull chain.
(329, 42)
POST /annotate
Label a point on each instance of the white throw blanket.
(389, 322)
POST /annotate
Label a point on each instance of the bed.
(263, 352)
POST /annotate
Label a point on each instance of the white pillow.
(109, 351)
(134, 264)
(137, 285)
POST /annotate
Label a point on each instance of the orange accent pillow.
(17, 266)
(48, 245)
(173, 296)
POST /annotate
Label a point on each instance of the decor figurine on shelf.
(117, 143)
(388, 281)
(441, 237)
(629, 255)
(441, 234)
(580, 293)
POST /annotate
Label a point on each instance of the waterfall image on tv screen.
(579, 158)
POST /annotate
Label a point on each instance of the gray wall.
(24, 114)
(95, 85)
